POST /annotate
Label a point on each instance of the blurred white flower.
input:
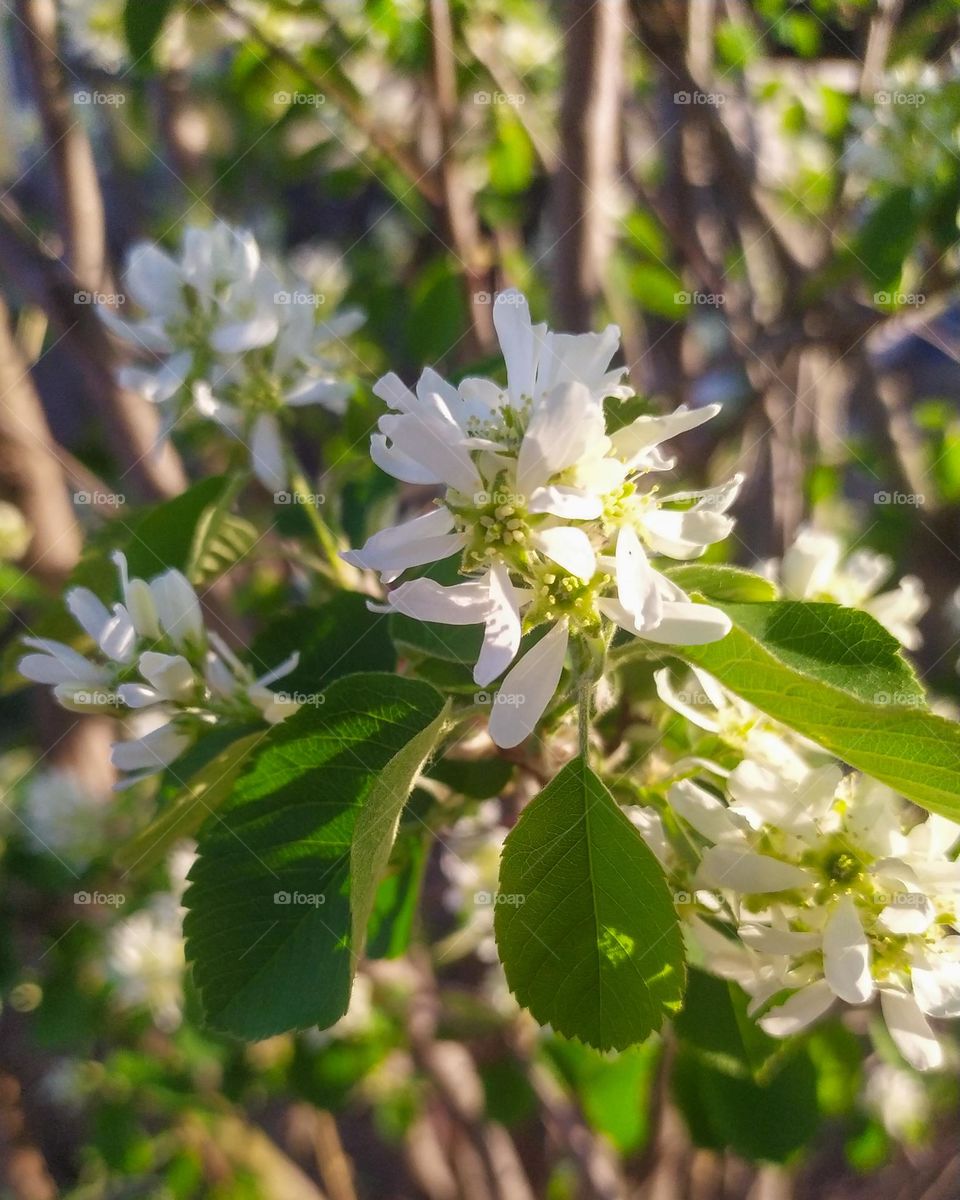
(814, 568)
(15, 533)
(241, 341)
(544, 510)
(60, 817)
(146, 960)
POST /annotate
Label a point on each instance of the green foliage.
(836, 676)
(142, 22)
(271, 900)
(585, 924)
(715, 1024)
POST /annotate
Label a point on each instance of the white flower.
(820, 874)
(544, 510)
(60, 817)
(146, 960)
(813, 568)
(241, 341)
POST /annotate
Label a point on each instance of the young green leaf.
(836, 676)
(585, 923)
(268, 926)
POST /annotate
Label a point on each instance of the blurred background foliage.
(764, 197)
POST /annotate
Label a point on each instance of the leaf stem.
(325, 537)
(584, 697)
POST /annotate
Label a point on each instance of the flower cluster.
(240, 342)
(155, 657)
(552, 520)
(814, 568)
(806, 885)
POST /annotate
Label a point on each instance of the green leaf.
(476, 778)
(341, 637)
(390, 927)
(758, 1121)
(220, 539)
(585, 924)
(377, 821)
(886, 237)
(717, 582)
(449, 643)
(142, 22)
(164, 536)
(268, 926)
(202, 795)
(714, 1023)
(836, 676)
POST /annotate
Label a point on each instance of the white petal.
(138, 695)
(58, 664)
(569, 547)
(800, 1011)
(767, 940)
(649, 431)
(528, 688)
(88, 610)
(118, 637)
(154, 280)
(153, 752)
(266, 452)
(846, 954)
(637, 582)
(177, 606)
(518, 342)
(394, 392)
(936, 987)
(703, 811)
(750, 873)
(401, 466)
(431, 437)
(573, 504)
(170, 674)
(688, 624)
(699, 716)
(236, 337)
(911, 1031)
(427, 600)
(565, 424)
(501, 639)
(423, 540)
(684, 534)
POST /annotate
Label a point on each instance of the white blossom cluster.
(238, 341)
(814, 568)
(552, 520)
(803, 884)
(154, 657)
